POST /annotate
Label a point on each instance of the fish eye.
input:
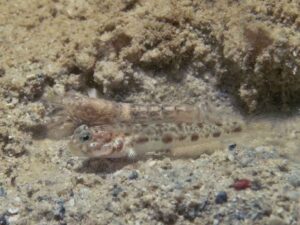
(85, 136)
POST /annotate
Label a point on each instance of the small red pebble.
(241, 184)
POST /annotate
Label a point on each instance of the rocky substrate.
(230, 54)
(239, 185)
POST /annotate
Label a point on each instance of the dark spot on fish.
(167, 138)
(181, 137)
(168, 151)
(216, 134)
(154, 114)
(134, 113)
(127, 134)
(180, 126)
(142, 139)
(173, 129)
(218, 123)
(154, 111)
(168, 109)
(237, 129)
(194, 137)
(150, 131)
(200, 125)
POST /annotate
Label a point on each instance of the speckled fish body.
(136, 140)
(108, 129)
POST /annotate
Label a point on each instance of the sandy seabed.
(238, 56)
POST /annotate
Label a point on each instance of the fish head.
(96, 142)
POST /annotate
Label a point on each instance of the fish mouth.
(106, 151)
(76, 149)
(98, 154)
(96, 149)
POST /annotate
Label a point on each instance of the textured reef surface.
(238, 57)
